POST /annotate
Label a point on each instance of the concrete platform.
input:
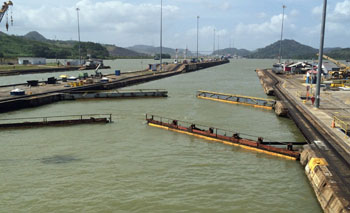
(9, 102)
(333, 103)
(136, 93)
(327, 157)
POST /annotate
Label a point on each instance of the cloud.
(317, 10)
(294, 12)
(341, 12)
(338, 18)
(117, 17)
(262, 15)
(268, 27)
(342, 8)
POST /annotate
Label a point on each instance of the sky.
(248, 24)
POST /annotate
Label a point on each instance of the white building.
(32, 61)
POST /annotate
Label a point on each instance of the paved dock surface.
(46, 93)
(333, 103)
(327, 157)
(45, 88)
(330, 181)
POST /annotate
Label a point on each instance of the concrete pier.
(44, 70)
(327, 157)
(237, 99)
(45, 93)
(55, 121)
(137, 93)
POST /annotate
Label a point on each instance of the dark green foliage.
(164, 56)
(119, 52)
(95, 50)
(341, 54)
(290, 50)
(232, 51)
(150, 50)
(17, 46)
(35, 36)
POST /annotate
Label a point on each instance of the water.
(128, 166)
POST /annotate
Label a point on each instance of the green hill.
(151, 50)
(340, 54)
(28, 46)
(33, 44)
(232, 51)
(120, 52)
(290, 50)
(35, 36)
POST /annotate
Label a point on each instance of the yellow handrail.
(241, 96)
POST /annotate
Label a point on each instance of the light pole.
(218, 44)
(214, 43)
(280, 53)
(79, 36)
(161, 35)
(323, 27)
(197, 35)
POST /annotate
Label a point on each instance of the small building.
(32, 61)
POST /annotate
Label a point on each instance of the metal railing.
(237, 98)
(343, 122)
(216, 131)
(55, 118)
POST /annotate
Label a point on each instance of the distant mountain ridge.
(119, 52)
(290, 49)
(34, 35)
(232, 51)
(151, 50)
(33, 44)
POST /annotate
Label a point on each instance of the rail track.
(325, 144)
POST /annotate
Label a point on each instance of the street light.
(197, 34)
(214, 43)
(280, 53)
(161, 35)
(323, 27)
(79, 36)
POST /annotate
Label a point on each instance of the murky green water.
(128, 166)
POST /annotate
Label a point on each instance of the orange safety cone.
(333, 124)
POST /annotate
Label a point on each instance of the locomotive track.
(324, 143)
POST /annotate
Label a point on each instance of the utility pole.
(161, 35)
(79, 36)
(214, 42)
(219, 44)
(323, 27)
(280, 53)
(197, 36)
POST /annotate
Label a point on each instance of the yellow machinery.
(3, 11)
(344, 71)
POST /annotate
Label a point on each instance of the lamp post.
(79, 36)
(161, 35)
(214, 43)
(280, 53)
(323, 27)
(197, 35)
